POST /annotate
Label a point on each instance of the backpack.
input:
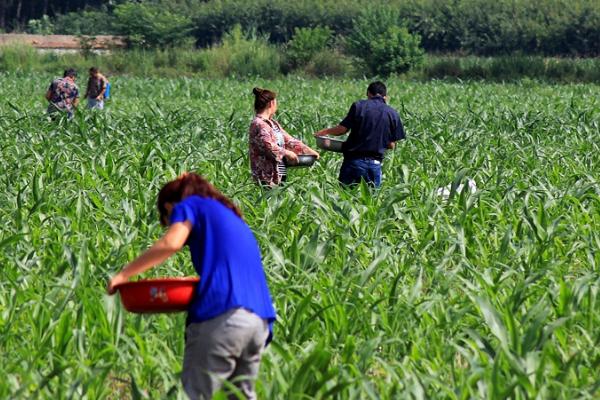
(107, 91)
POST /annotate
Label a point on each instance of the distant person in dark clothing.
(96, 89)
(374, 127)
(63, 94)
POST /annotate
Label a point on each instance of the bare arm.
(391, 145)
(296, 146)
(312, 152)
(49, 95)
(104, 83)
(335, 131)
(75, 97)
(161, 250)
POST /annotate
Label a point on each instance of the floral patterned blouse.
(63, 94)
(265, 153)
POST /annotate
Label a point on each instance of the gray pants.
(95, 104)
(225, 348)
(54, 111)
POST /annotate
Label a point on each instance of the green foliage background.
(358, 38)
(251, 55)
(388, 47)
(477, 27)
(392, 294)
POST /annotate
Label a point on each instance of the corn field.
(387, 294)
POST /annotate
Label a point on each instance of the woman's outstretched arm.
(161, 250)
(295, 145)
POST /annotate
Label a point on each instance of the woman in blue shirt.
(231, 316)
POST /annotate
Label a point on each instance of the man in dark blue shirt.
(374, 127)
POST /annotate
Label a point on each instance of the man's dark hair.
(377, 88)
(94, 70)
(71, 73)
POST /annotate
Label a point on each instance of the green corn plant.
(394, 293)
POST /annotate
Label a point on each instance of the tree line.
(470, 27)
(14, 14)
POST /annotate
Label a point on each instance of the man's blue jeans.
(353, 170)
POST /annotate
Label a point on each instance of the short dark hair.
(71, 73)
(377, 88)
(94, 70)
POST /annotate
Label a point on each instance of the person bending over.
(63, 94)
(231, 316)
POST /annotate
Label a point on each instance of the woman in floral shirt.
(63, 94)
(271, 147)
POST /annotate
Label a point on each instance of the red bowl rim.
(158, 281)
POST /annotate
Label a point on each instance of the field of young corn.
(394, 294)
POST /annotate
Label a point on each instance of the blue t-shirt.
(373, 126)
(226, 256)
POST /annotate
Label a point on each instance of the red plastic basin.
(163, 295)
